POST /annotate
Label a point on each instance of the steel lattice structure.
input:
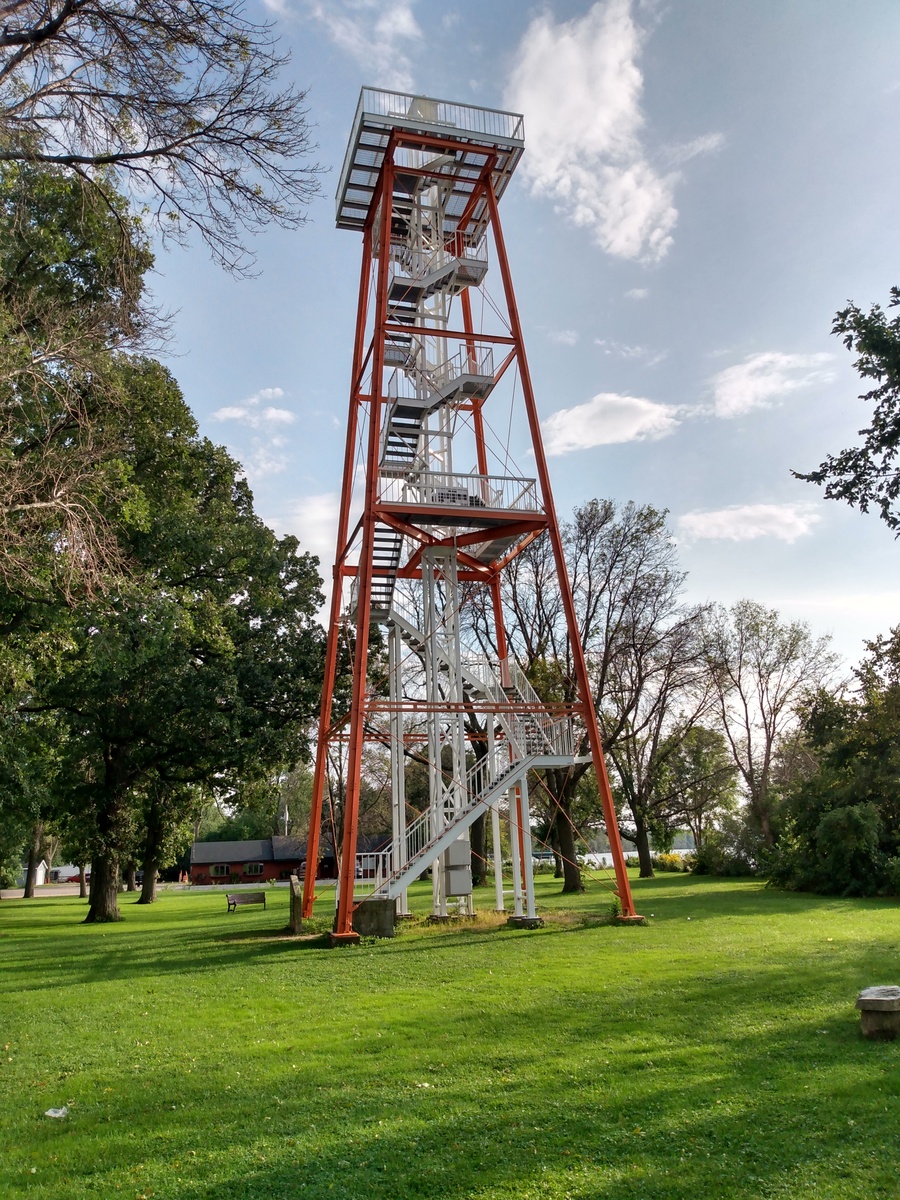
(441, 515)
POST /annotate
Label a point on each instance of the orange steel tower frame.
(421, 181)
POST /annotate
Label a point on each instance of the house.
(277, 858)
(258, 861)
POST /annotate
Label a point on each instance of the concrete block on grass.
(879, 1013)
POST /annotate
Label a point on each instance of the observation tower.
(433, 513)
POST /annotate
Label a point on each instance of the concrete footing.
(879, 1013)
(632, 920)
(344, 939)
(526, 922)
(375, 918)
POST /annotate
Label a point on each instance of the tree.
(701, 780)
(761, 668)
(626, 585)
(870, 474)
(176, 102)
(71, 296)
(202, 667)
(842, 819)
(662, 688)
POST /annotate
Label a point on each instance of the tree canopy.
(842, 820)
(869, 474)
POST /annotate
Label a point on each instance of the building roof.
(287, 848)
(229, 852)
(276, 849)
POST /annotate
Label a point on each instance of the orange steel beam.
(318, 788)
(458, 335)
(344, 920)
(581, 674)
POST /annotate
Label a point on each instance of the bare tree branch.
(176, 99)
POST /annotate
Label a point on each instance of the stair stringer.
(411, 634)
(458, 824)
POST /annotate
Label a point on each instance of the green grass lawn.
(204, 1056)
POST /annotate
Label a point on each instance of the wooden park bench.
(245, 898)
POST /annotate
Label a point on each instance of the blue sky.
(704, 184)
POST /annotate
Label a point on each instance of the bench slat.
(245, 898)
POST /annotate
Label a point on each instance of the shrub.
(670, 862)
(848, 859)
(733, 849)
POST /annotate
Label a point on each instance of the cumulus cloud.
(252, 413)
(744, 522)
(377, 33)
(579, 85)
(763, 378)
(313, 520)
(637, 293)
(605, 420)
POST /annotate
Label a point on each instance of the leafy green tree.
(869, 474)
(701, 782)
(842, 824)
(71, 295)
(203, 667)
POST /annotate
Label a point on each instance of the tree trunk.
(642, 842)
(131, 878)
(553, 836)
(104, 905)
(34, 858)
(148, 887)
(566, 834)
(765, 824)
(479, 864)
(82, 883)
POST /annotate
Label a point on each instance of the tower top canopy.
(474, 137)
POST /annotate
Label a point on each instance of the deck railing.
(507, 492)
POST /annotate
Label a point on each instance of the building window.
(220, 869)
(253, 868)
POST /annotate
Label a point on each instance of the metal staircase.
(421, 853)
(533, 737)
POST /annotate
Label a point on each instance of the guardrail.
(507, 492)
(469, 118)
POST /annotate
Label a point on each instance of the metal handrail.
(507, 492)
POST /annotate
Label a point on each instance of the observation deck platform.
(459, 140)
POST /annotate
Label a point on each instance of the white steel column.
(498, 858)
(398, 763)
(528, 865)
(512, 799)
(432, 690)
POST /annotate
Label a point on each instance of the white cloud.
(266, 458)
(635, 353)
(249, 412)
(377, 33)
(744, 522)
(564, 337)
(579, 86)
(313, 519)
(637, 293)
(605, 420)
(762, 378)
(708, 143)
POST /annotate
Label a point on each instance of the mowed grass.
(206, 1056)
